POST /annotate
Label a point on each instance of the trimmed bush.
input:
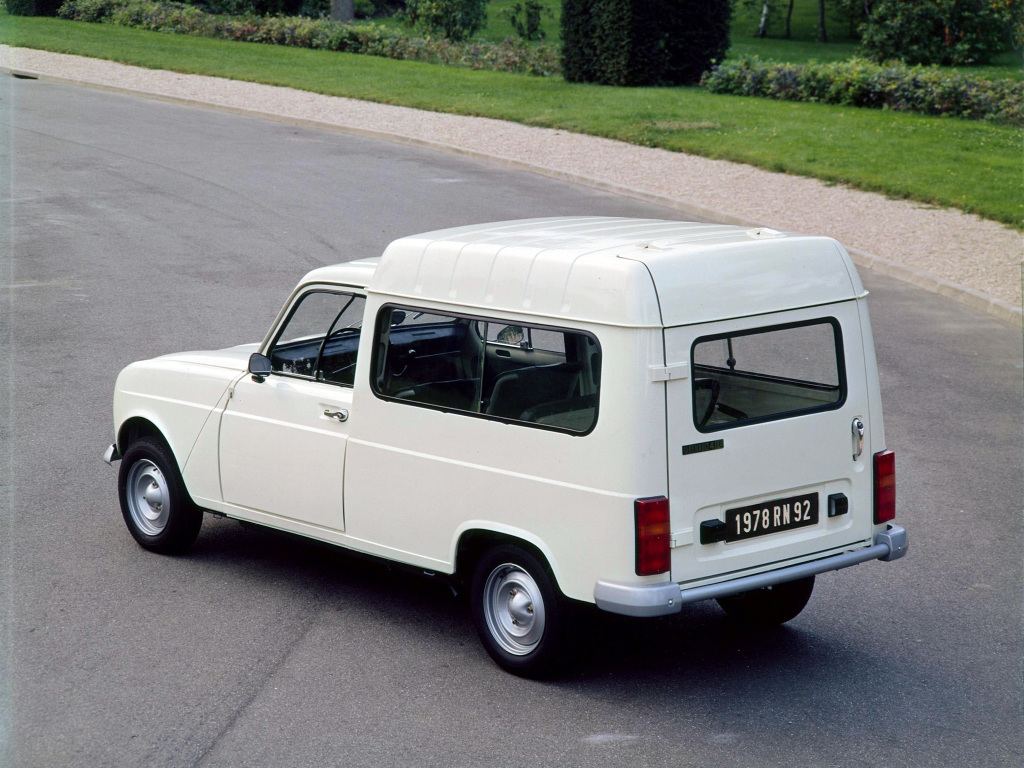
(948, 32)
(862, 83)
(643, 42)
(323, 34)
(452, 19)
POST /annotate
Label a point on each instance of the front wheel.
(156, 506)
(769, 606)
(518, 611)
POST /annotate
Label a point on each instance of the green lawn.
(969, 165)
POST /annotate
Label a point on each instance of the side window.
(767, 373)
(496, 369)
(320, 339)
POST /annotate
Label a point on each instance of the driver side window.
(320, 338)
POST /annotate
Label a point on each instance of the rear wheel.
(518, 611)
(155, 505)
(770, 606)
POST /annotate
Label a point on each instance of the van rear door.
(766, 463)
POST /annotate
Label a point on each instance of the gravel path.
(910, 240)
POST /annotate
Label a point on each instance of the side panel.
(416, 478)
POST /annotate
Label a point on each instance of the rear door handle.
(857, 432)
(341, 414)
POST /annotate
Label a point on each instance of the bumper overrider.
(668, 597)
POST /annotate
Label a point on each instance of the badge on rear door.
(710, 445)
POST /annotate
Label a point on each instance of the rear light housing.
(653, 551)
(885, 487)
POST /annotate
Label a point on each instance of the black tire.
(519, 613)
(770, 606)
(155, 505)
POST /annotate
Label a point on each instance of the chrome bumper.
(668, 597)
(111, 454)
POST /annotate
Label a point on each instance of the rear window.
(767, 373)
(489, 368)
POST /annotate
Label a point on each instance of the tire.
(518, 612)
(770, 606)
(156, 507)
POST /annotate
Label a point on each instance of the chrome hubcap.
(514, 609)
(147, 499)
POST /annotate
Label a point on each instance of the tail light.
(885, 486)
(653, 553)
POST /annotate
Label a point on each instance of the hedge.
(862, 83)
(643, 42)
(33, 7)
(323, 34)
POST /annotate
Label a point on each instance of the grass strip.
(945, 161)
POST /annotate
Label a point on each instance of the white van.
(632, 413)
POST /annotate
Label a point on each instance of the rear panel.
(761, 441)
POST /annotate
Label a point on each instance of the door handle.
(857, 432)
(341, 414)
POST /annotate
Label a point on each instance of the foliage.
(33, 7)
(949, 32)
(528, 27)
(861, 83)
(324, 34)
(452, 19)
(635, 42)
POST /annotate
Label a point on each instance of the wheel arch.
(474, 539)
(139, 426)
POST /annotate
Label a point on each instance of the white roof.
(617, 271)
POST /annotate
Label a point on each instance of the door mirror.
(259, 367)
(397, 317)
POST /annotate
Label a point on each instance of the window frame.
(472, 319)
(353, 294)
(837, 335)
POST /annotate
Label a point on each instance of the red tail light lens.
(652, 536)
(885, 487)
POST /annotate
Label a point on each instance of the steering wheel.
(714, 388)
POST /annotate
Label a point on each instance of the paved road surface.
(139, 228)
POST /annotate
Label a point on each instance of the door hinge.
(670, 372)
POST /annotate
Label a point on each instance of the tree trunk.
(762, 27)
(343, 10)
(821, 21)
(789, 19)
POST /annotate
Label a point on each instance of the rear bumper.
(668, 597)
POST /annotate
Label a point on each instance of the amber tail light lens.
(653, 553)
(885, 486)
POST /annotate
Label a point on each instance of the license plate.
(771, 517)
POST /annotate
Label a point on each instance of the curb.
(962, 294)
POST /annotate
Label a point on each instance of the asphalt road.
(136, 228)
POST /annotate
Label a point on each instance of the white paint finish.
(280, 454)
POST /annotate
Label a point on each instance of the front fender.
(176, 397)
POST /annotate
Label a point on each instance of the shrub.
(33, 7)
(528, 27)
(452, 19)
(949, 32)
(862, 83)
(636, 42)
(324, 34)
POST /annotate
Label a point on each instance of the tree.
(343, 10)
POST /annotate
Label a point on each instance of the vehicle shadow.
(698, 648)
